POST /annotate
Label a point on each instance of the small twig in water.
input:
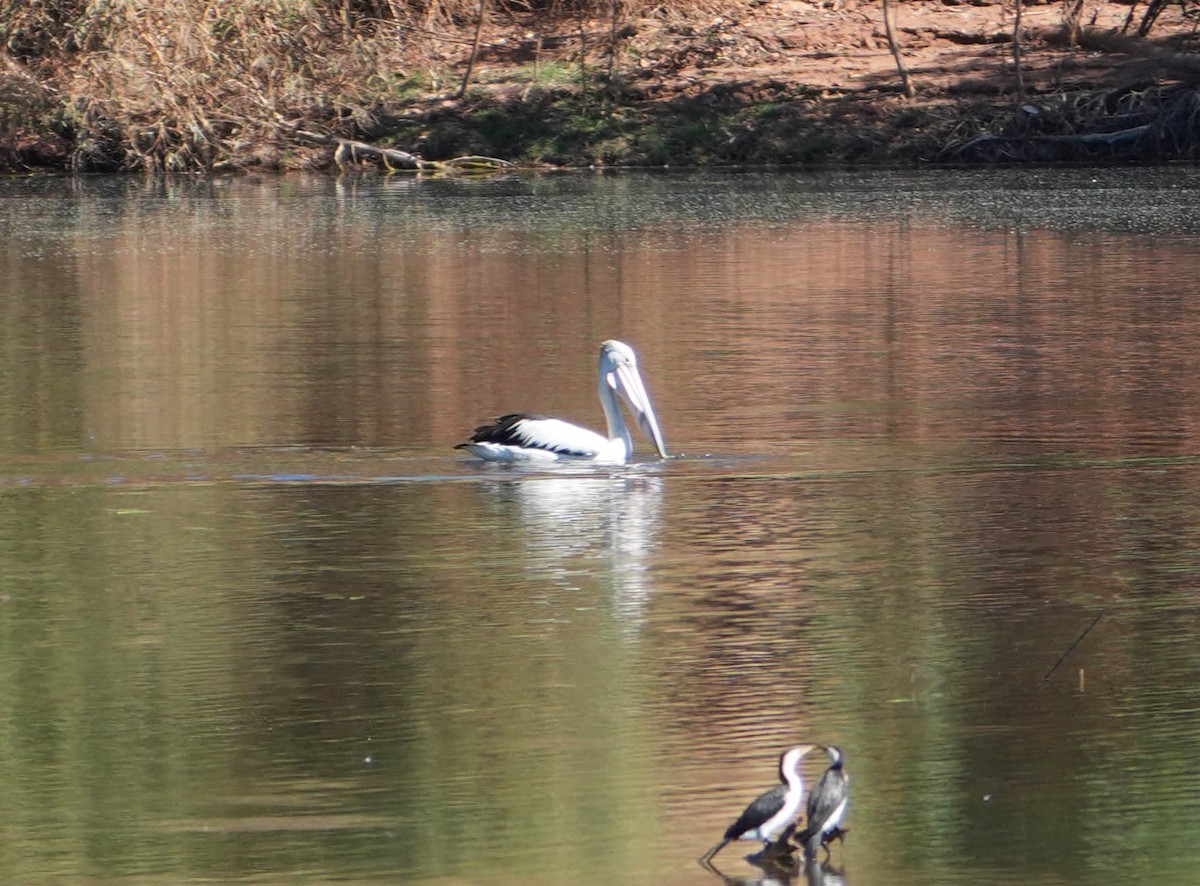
(1071, 648)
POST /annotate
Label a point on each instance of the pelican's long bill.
(627, 382)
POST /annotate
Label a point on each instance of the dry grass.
(178, 85)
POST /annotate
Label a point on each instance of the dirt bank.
(802, 81)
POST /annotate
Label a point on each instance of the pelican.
(523, 437)
(771, 813)
(826, 807)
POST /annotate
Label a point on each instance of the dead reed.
(175, 85)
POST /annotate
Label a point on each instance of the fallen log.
(347, 151)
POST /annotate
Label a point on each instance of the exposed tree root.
(1153, 124)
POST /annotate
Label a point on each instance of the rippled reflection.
(261, 622)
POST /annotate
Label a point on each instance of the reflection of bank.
(583, 527)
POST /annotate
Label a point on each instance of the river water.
(260, 622)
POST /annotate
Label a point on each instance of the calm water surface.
(259, 621)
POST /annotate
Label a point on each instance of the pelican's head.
(618, 370)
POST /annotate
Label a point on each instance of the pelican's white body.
(564, 437)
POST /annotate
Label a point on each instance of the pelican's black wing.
(530, 431)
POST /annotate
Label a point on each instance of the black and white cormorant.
(769, 815)
(525, 437)
(826, 806)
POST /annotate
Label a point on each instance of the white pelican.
(523, 437)
(769, 815)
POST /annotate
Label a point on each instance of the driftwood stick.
(1071, 648)
(474, 161)
(347, 149)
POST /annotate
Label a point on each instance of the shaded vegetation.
(561, 128)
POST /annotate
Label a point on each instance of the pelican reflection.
(578, 528)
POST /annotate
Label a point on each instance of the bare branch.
(462, 90)
(889, 26)
(1016, 47)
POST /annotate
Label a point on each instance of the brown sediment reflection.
(260, 620)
